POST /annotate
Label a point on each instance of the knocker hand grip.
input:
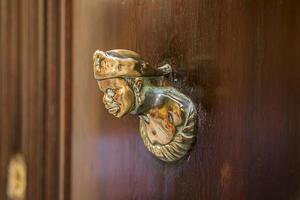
(130, 85)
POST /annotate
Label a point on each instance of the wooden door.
(238, 60)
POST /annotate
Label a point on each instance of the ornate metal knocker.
(130, 85)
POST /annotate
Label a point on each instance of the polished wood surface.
(240, 62)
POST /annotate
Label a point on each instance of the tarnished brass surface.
(16, 186)
(130, 85)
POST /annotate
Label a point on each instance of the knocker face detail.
(130, 85)
(118, 97)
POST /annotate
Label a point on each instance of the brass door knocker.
(130, 85)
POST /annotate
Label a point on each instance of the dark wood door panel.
(238, 60)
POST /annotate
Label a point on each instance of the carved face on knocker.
(118, 97)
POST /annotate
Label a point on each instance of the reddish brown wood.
(66, 99)
(10, 126)
(239, 60)
(31, 101)
(32, 86)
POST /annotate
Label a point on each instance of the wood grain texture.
(31, 44)
(66, 8)
(10, 126)
(239, 61)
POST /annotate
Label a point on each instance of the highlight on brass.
(131, 85)
(16, 186)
